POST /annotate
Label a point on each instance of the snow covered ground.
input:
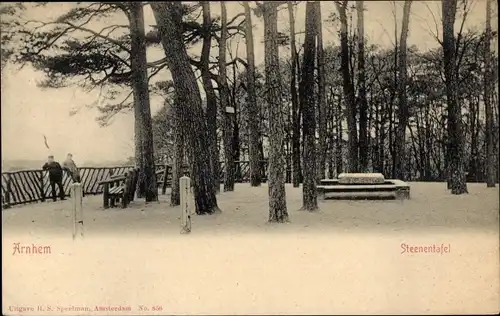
(347, 258)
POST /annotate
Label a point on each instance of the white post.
(76, 199)
(185, 188)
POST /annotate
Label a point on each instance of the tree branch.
(111, 40)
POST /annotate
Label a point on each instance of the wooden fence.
(28, 186)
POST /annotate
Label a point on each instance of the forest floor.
(345, 258)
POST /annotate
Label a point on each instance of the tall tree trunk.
(330, 149)
(253, 108)
(263, 162)
(139, 157)
(229, 116)
(168, 18)
(488, 87)
(456, 163)
(210, 94)
(330, 131)
(370, 124)
(376, 147)
(363, 104)
(178, 157)
(479, 163)
(421, 153)
(140, 87)
(139, 161)
(473, 168)
(277, 196)
(309, 195)
(236, 137)
(447, 153)
(296, 178)
(339, 140)
(348, 88)
(383, 135)
(288, 154)
(322, 123)
(428, 142)
(400, 150)
(236, 127)
(390, 159)
(394, 94)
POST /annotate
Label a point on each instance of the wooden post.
(165, 178)
(185, 188)
(8, 191)
(76, 199)
(42, 187)
(105, 195)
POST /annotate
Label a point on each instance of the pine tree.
(168, 18)
(253, 108)
(277, 196)
(456, 163)
(309, 195)
(403, 112)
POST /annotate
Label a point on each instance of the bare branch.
(460, 32)
(111, 40)
(237, 60)
(157, 63)
(156, 71)
(436, 24)
(109, 111)
(234, 18)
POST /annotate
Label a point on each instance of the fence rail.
(27, 186)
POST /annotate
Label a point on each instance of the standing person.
(55, 177)
(70, 165)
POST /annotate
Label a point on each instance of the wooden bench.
(120, 188)
(368, 188)
(162, 179)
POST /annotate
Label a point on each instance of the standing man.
(55, 177)
(71, 167)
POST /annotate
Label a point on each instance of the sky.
(28, 112)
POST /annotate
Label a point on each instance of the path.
(344, 259)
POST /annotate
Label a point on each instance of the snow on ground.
(347, 258)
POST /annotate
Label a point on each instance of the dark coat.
(55, 171)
